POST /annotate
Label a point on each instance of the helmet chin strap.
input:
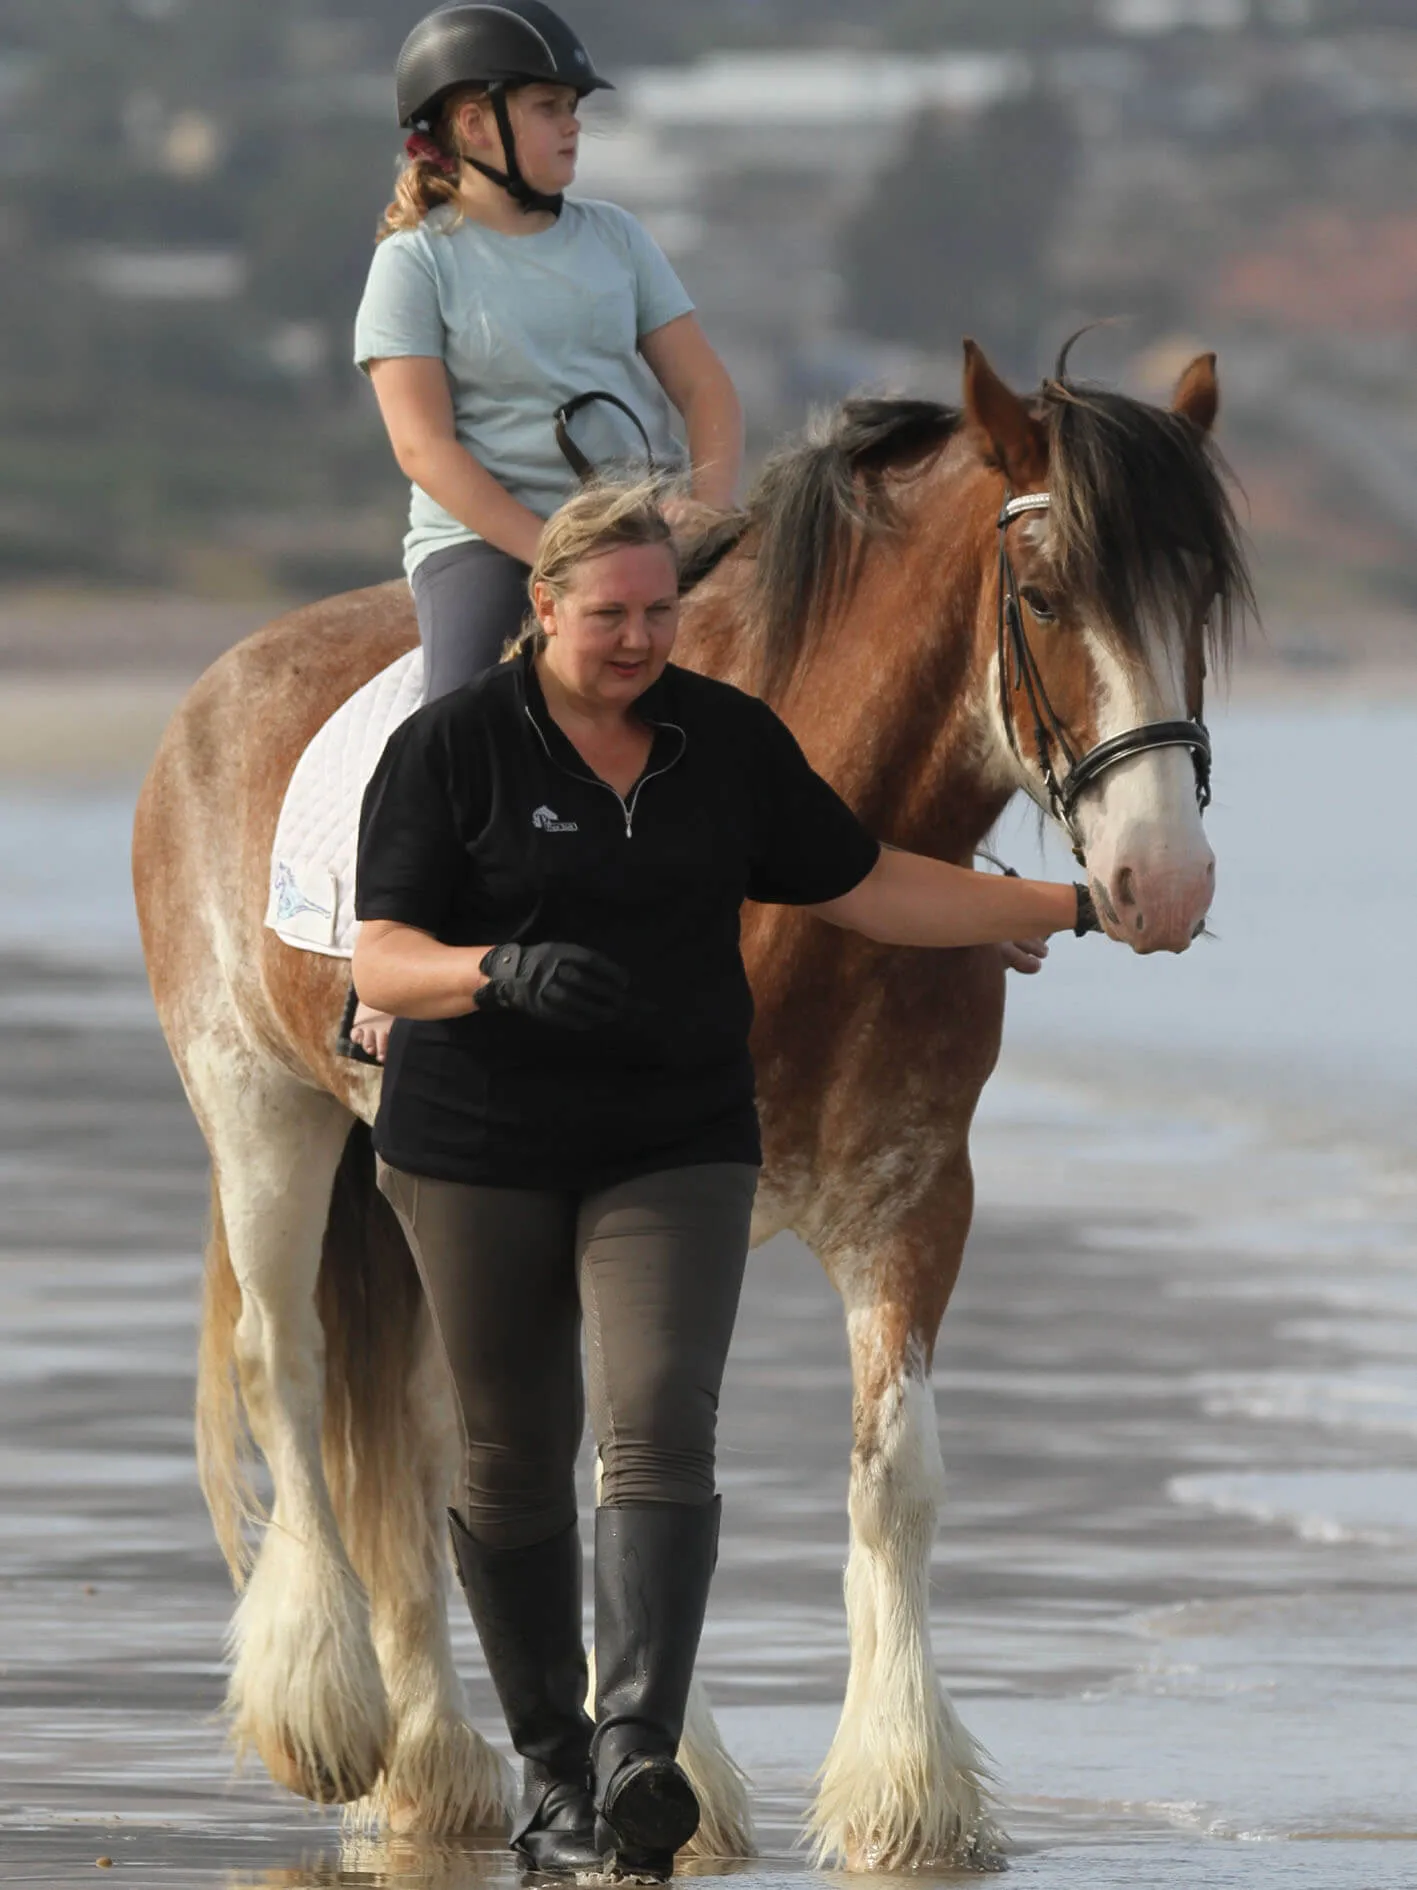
(511, 180)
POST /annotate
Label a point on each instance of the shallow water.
(1174, 1586)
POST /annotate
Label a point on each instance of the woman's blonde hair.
(600, 518)
(426, 181)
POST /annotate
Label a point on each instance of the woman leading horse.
(552, 863)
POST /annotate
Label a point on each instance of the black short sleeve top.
(482, 824)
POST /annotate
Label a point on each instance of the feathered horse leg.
(904, 1785)
(305, 1689)
(441, 1778)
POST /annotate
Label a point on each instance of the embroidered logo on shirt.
(546, 820)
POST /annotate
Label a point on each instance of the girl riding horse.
(495, 305)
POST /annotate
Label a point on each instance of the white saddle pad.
(312, 862)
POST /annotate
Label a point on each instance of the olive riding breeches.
(652, 1266)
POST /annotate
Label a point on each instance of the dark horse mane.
(1141, 515)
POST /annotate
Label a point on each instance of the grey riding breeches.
(471, 600)
(654, 1268)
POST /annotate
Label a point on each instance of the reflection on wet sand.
(430, 1866)
(393, 1861)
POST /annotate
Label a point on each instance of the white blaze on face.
(1151, 870)
(1148, 861)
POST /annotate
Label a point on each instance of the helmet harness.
(496, 47)
(511, 179)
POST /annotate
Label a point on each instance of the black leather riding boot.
(526, 1605)
(653, 1566)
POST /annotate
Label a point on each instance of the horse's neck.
(894, 707)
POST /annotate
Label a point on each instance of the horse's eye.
(1038, 604)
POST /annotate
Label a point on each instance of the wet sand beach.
(1174, 1585)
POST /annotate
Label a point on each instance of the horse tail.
(225, 1450)
(374, 1440)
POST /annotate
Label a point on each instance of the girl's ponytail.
(431, 170)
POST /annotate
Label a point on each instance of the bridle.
(1018, 670)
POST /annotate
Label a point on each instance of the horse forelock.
(815, 508)
(1142, 526)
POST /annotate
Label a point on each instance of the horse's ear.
(1197, 393)
(995, 411)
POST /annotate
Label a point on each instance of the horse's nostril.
(1140, 923)
(1126, 888)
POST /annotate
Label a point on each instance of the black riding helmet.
(521, 42)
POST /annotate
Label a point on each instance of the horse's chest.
(867, 1054)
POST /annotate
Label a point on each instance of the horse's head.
(1112, 583)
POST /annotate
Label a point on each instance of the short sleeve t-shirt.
(482, 825)
(522, 324)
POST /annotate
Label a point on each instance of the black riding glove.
(1087, 919)
(555, 983)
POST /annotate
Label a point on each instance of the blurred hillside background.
(188, 195)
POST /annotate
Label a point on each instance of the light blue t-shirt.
(523, 323)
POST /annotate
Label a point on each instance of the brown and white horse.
(931, 678)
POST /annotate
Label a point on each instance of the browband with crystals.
(1026, 502)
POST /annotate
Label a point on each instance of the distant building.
(744, 165)
(833, 116)
(1211, 16)
(133, 273)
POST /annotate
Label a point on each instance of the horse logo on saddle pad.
(311, 901)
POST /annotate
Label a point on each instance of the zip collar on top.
(668, 747)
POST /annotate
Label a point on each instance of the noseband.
(1019, 671)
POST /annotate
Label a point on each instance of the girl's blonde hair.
(600, 518)
(425, 182)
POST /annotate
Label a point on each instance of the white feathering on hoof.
(893, 1798)
(720, 1785)
(305, 1690)
(443, 1780)
(904, 1785)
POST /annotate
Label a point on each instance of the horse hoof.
(405, 1819)
(442, 1781)
(309, 1776)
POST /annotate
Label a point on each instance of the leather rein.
(580, 463)
(1019, 674)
